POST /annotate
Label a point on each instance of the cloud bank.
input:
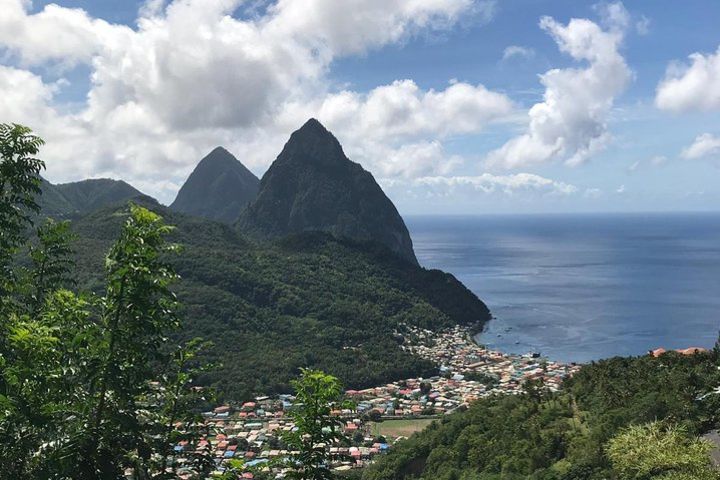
(194, 74)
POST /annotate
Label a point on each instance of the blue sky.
(431, 99)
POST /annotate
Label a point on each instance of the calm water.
(577, 288)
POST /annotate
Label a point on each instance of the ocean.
(577, 288)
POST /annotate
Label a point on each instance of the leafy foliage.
(51, 260)
(77, 372)
(657, 451)
(19, 184)
(316, 394)
(137, 310)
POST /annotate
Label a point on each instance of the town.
(252, 431)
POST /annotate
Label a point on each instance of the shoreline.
(467, 372)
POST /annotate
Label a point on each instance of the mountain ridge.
(78, 198)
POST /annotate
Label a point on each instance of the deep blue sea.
(584, 287)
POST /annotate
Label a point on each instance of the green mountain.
(219, 188)
(79, 198)
(306, 300)
(313, 186)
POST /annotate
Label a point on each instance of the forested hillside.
(567, 435)
(73, 199)
(308, 300)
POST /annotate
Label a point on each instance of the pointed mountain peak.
(218, 188)
(313, 143)
(219, 150)
(313, 125)
(218, 154)
(313, 186)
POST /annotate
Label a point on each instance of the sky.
(455, 106)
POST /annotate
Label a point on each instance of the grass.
(399, 428)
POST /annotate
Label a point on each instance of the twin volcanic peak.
(313, 186)
(219, 188)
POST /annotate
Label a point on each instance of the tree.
(52, 262)
(19, 184)
(316, 394)
(658, 451)
(25, 344)
(88, 385)
(136, 313)
(171, 406)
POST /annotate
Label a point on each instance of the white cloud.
(55, 33)
(642, 26)
(515, 184)
(24, 96)
(691, 87)
(592, 193)
(403, 110)
(658, 160)
(614, 16)
(396, 129)
(372, 23)
(191, 76)
(570, 123)
(654, 161)
(705, 145)
(517, 51)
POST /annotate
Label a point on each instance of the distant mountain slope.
(53, 203)
(313, 186)
(219, 188)
(307, 300)
(78, 198)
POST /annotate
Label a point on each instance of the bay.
(577, 288)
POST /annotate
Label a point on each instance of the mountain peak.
(219, 153)
(314, 125)
(218, 189)
(313, 143)
(313, 186)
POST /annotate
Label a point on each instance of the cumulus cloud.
(55, 33)
(372, 23)
(691, 87)
(402, 109)
(192, 75)
(705, 145)
(517, 51)
(570, 123)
